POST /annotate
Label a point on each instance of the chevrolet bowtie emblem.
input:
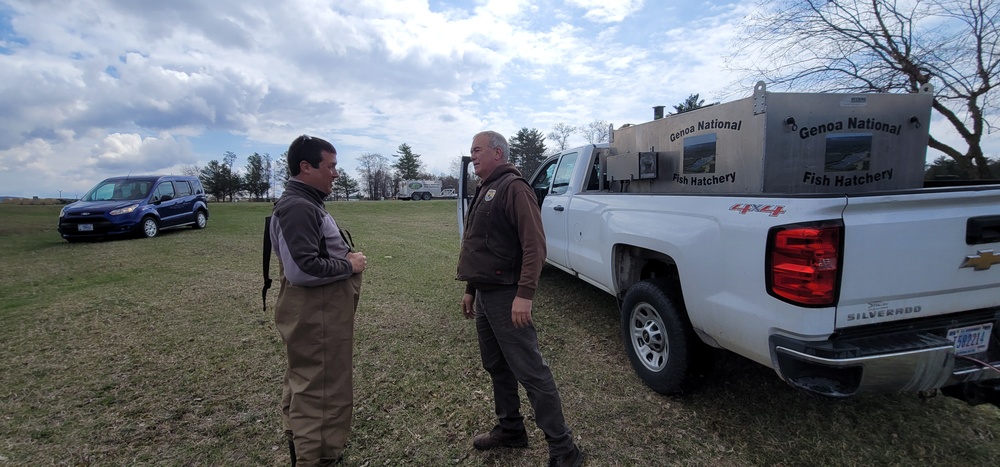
(981, 261)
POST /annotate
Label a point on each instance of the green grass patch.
(156, 352)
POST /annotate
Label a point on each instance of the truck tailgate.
(907, 255)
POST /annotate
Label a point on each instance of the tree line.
(379, 177)
(262, 175)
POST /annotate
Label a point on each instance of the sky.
(91, 89)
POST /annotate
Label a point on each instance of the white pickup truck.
(840, 287)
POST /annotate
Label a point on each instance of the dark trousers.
(511, 356)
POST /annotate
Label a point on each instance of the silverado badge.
(981, 261)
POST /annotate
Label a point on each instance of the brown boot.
(498, 438)
(573, 459)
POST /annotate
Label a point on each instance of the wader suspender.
(266, 261)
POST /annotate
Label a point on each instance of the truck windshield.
(118, 190)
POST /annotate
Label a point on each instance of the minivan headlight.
(124, 210)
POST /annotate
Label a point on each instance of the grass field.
(156, 352)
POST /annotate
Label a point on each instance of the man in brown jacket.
(502, 255)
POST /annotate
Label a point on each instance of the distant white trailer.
(424, 190)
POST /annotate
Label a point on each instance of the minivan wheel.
(200, 220)
(149, 227)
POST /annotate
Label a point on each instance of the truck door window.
(594, 180)
(543, 179)
(560, 183)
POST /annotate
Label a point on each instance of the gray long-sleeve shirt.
(306, 239)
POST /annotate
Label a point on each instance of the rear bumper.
(893, 357)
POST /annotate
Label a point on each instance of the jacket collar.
(500, 171)
(303, 189)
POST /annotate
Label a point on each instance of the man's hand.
(467, 306)
(358, 261)
(520, 312)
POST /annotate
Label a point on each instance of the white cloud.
(91, 88)
(608, 12)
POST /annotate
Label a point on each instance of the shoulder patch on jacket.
(490, 194)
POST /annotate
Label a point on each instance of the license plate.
(85, 227)
(971, 339)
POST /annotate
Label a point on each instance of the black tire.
(415, 197)
(658, 337)
(427, 196)
(149, 227)
(200, 220)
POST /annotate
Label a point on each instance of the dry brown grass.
(156, 352)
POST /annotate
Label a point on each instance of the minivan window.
(118, 190)
(164, 189)
(183, 188)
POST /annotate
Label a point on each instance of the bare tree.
(375, 175)
(597, 131)
(233, 183)
(191, 170)
(887, 46)
(279, 173)
(560, 135)
(269, 175)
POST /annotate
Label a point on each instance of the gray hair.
(496, 140)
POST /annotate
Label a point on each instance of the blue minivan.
(141, 205)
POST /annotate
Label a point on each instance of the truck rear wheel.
(427, 196)
(657, 335)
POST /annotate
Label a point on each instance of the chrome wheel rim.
(649, 337)
(149, 227)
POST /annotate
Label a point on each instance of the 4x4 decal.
(774, 211)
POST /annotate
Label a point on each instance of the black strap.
(266, 261)
(347, 239)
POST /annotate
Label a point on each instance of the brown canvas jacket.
(504, 241)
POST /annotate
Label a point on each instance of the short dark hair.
(307, 148)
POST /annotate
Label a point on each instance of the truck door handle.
(558, 208)
(985, 229)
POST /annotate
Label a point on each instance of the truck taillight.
(803, 263)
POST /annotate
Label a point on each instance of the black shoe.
(573, 459)
(498, 438)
